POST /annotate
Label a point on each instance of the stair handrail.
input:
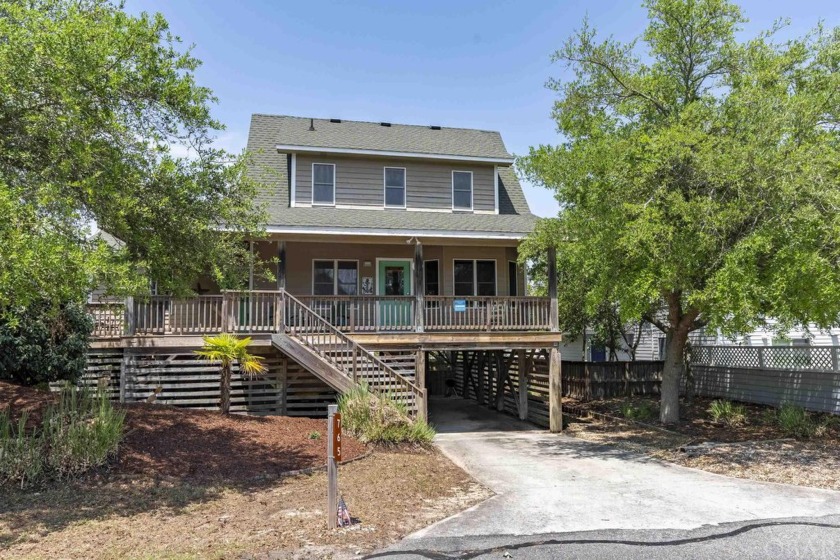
(361, 350)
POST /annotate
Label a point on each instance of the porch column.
(555, 391)
(553, 318)
(281, 265)
(419, 288)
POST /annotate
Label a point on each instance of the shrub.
(642, 411)
(82, 431)
(728, 412)
(42, 343)
(314, 434)
(379, 419)
(795, 421)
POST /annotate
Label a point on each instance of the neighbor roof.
(365, 137)
(270, 168)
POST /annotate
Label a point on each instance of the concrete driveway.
(546, 483)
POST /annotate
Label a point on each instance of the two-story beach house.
(396, 250)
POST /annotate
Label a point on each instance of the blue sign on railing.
(459, 305)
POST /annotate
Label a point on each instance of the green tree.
(698, 177)
(102, 124)
(227, 349)
(39, 343)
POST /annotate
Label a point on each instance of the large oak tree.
(102, 124)
(698, 176)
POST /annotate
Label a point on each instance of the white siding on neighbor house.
(648, 348)
(767, 337)
(359, 181)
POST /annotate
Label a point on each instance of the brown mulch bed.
(756, 450)
(205, 445)
(389, 494)
(200, 445)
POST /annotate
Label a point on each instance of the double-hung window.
(335, 278)
(475, 278)
(323, 184)
(395, 187)
(462, 190)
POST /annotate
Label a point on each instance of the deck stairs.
(339, 361)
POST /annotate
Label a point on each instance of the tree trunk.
(669, 412)
(224, 389)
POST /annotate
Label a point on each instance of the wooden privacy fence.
(602, 380)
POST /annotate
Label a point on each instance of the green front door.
(394, 279)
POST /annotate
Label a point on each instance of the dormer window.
(323, 184)
(462, 190)
(395, 187)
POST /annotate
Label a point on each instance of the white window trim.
(312, 193)
(410, 273)
(293, 182)
(475, 276)
(440, 275)
(385, 187)
(335, 275)
(472, 192)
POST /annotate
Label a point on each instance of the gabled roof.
(300, 133)
(270, 168)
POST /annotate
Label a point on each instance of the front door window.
(394, 310)
(395, 281)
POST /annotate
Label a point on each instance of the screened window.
(462, 186)
(432, 276)
(323, 183)
(475, 278)
(513, 285)
(395, 187)
(335, 278)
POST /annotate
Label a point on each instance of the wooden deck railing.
(319, 335)
(262, 312)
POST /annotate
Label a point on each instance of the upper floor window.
(462, 190)
(395, 187)
(323, 183)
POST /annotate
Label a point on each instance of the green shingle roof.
(403, 138)
(270, 168)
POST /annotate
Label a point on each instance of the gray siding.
(359, 181)
(813, 390)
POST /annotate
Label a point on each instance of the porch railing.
(264, 312)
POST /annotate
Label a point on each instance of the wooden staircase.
(340, 361)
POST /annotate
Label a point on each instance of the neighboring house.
(392, 242)
(651, 346)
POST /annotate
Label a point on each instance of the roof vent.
(311, 124)
(335, 120)
(434, 127)
(384, 124)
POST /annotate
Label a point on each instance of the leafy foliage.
(796, 421)
(697, 179)
(81, 432)
(378, 419)
(103, 124)
(42, 343)
(641, 411)
(227, 349)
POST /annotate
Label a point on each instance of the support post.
(281, 265)
(332, 472)
(124, 365)
(225, 325)
(523, 367)
(419, 288)
(553, 318)
(423, 405)
(130, 317)
(555, 392)
(420, 381)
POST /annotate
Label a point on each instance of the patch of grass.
(314, 434)
(641, 411)
(728, 412)
(379, 419)
(80, 432)
(796, 421)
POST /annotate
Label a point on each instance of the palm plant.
(226, 349)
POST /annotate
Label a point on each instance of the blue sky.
(462, 63)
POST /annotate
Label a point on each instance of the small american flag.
(343, 513)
